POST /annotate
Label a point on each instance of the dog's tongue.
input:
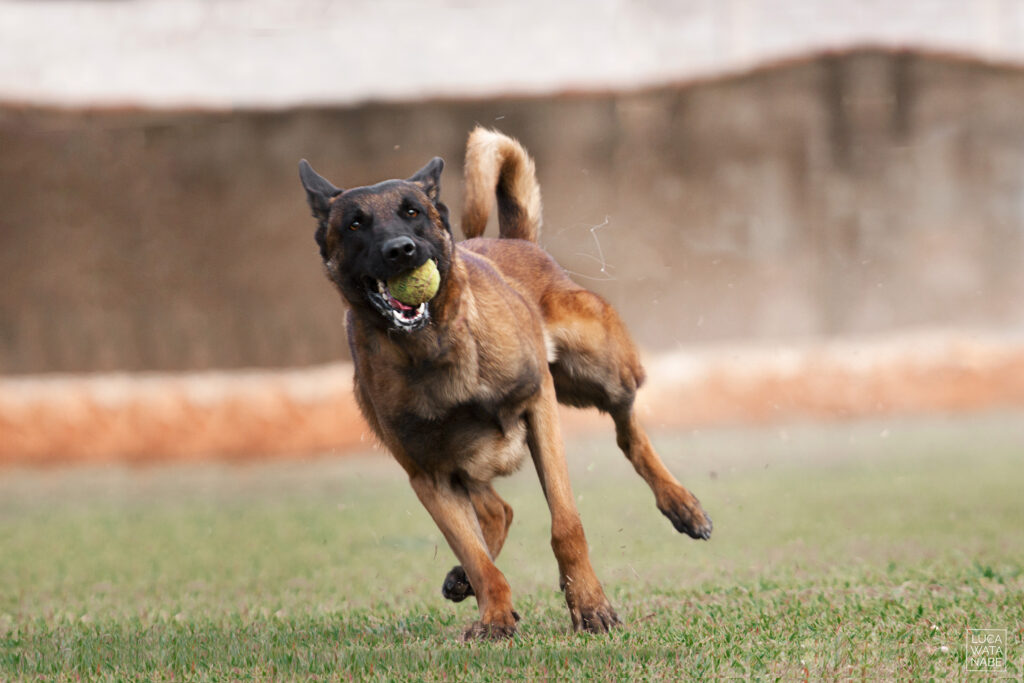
(395, 303)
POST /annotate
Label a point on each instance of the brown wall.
(834, 195)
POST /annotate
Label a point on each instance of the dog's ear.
(429, 178)
(319, 191)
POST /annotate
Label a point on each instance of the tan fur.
(497, 164)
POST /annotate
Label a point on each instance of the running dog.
(462, 387)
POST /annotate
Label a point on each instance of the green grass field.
(860, 551)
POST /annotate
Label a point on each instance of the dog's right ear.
(320, 193)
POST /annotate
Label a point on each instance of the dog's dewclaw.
(416, 286)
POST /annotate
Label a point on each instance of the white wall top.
(260, 53)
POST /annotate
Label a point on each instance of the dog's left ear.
(429, 178)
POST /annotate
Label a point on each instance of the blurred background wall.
(851, 192)
(803, 210)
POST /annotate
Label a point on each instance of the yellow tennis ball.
(416, 286)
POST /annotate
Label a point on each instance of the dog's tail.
(497, 165)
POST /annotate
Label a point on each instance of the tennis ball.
(416, 286)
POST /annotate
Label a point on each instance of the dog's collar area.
(400, 316)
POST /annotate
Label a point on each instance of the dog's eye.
(411, 212)
(355, 225)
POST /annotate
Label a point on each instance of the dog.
(461, 388)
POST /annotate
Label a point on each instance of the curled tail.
(498, 166)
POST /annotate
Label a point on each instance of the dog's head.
(368, 235)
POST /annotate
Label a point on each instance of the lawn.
(862, 550)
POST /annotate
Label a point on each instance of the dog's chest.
(450, 422)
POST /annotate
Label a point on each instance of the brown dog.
(462, 387)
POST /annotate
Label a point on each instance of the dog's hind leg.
(597, 365)
(495, 517)
(671, 497)
(450, 504)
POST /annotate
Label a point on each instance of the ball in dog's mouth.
(417, 286)
(402, 300)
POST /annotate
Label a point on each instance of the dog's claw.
(481, 631)
(601, 619)
(705, 532)
(456, 585)
(497, 629)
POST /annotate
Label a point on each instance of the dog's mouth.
(400, 316)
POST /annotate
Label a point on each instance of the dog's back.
(591, 356)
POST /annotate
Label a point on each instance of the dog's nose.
(399, 251)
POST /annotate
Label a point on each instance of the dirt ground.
(291, 413)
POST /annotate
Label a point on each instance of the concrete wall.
(836, 195)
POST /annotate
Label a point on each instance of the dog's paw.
(685, 513)
(493, 627)
(599, 619)
(588, 607)
(456, 586)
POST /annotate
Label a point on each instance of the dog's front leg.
(452, 509)
(588, 606)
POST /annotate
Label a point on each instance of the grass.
(847, 551)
